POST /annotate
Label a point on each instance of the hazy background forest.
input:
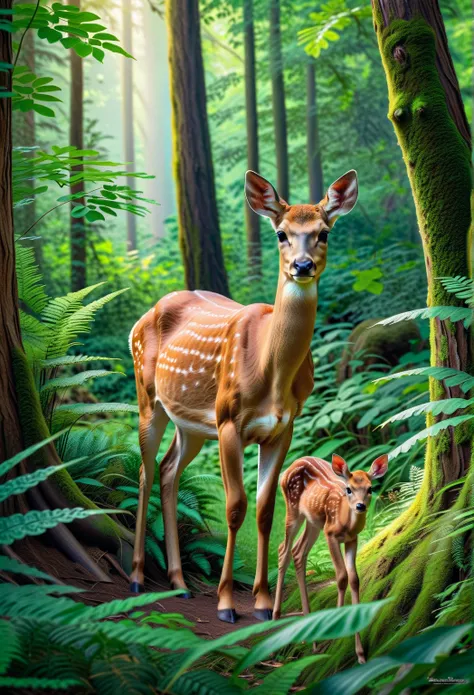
(296, 91)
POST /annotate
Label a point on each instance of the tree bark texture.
(315, 168)
(10, 336)
(429, 120)
(254, 252)
(78, 231)
(199, 232)
(127, 107)
(278, 101)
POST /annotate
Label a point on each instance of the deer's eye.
(349, 491)
(323, 237)
(282, 237)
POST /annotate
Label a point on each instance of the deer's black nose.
(304, 267)
(360, 507)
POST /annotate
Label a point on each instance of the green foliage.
(17, 526)
(28, 90)
(368, 280)
(331, 19)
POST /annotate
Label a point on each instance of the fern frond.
(11, 649)
(35, 602)
(66, 382)
(120, 675)
(17, 526)
(282, 679)
(39, 683)
(444, 313)
(447, 406)
(452, 377)
(461, 287)
(69, 318)
(14, 460)
(79, 409)
(30, 288)
(18, 485)
(429, 432)
(34, 335)
(82, 613)
(205, 682)
(15, 567)
(66, 360)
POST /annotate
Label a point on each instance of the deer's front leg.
(230, 449)
(270, 462)
(339, 566)
(351, 554)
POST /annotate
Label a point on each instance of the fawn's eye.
(282, 237)
(323, 237)
(369, 491)
(349, 491)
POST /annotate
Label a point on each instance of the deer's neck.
(288, 333)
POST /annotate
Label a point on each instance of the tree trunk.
(278, 101)
(21, 419)
(315, 168)
(24, 135)
(76, 138)
(199, 232)
(411, 560)
(127, 106)
(10, 337)
(254, 252)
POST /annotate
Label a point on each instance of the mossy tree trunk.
(199, 232)
(315, 167)
(412, 560)
(78, 233)
(254, 252)
(278, 101)
(21, 419)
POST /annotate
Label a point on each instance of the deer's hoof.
(227, 615)
(136, 588)
(186, 594)
(263, 613)
(361, 660)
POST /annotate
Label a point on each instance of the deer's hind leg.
(152, 424)
(300, 556)
(292, 526)
(183, 449)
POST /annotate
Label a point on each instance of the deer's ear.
(379, 467)
(262, 196)
(340, 467)
(341, 196)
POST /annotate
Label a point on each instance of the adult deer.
(239, 374)
(334, 499)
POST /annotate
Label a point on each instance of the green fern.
(207, 683)
(452, 377)
(444, 313)
(282, 679)
(10, 646)
(15, 567)
(79, 379)
(446, 406)
(68, 360)
(461, 287)
(17, 526)
(23, 455)
(39, 683)
(30, 282)
(18, 485)
(431, 431)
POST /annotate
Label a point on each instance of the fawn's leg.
(230, 449)
(300, 556)
(340, 567)
(292, 526)
(271, 457)
(151, 428)
(351, 554)
(183, 449)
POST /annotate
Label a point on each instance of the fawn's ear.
(341, 196)
(379, 467)
(262, 196)
(340, 467)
